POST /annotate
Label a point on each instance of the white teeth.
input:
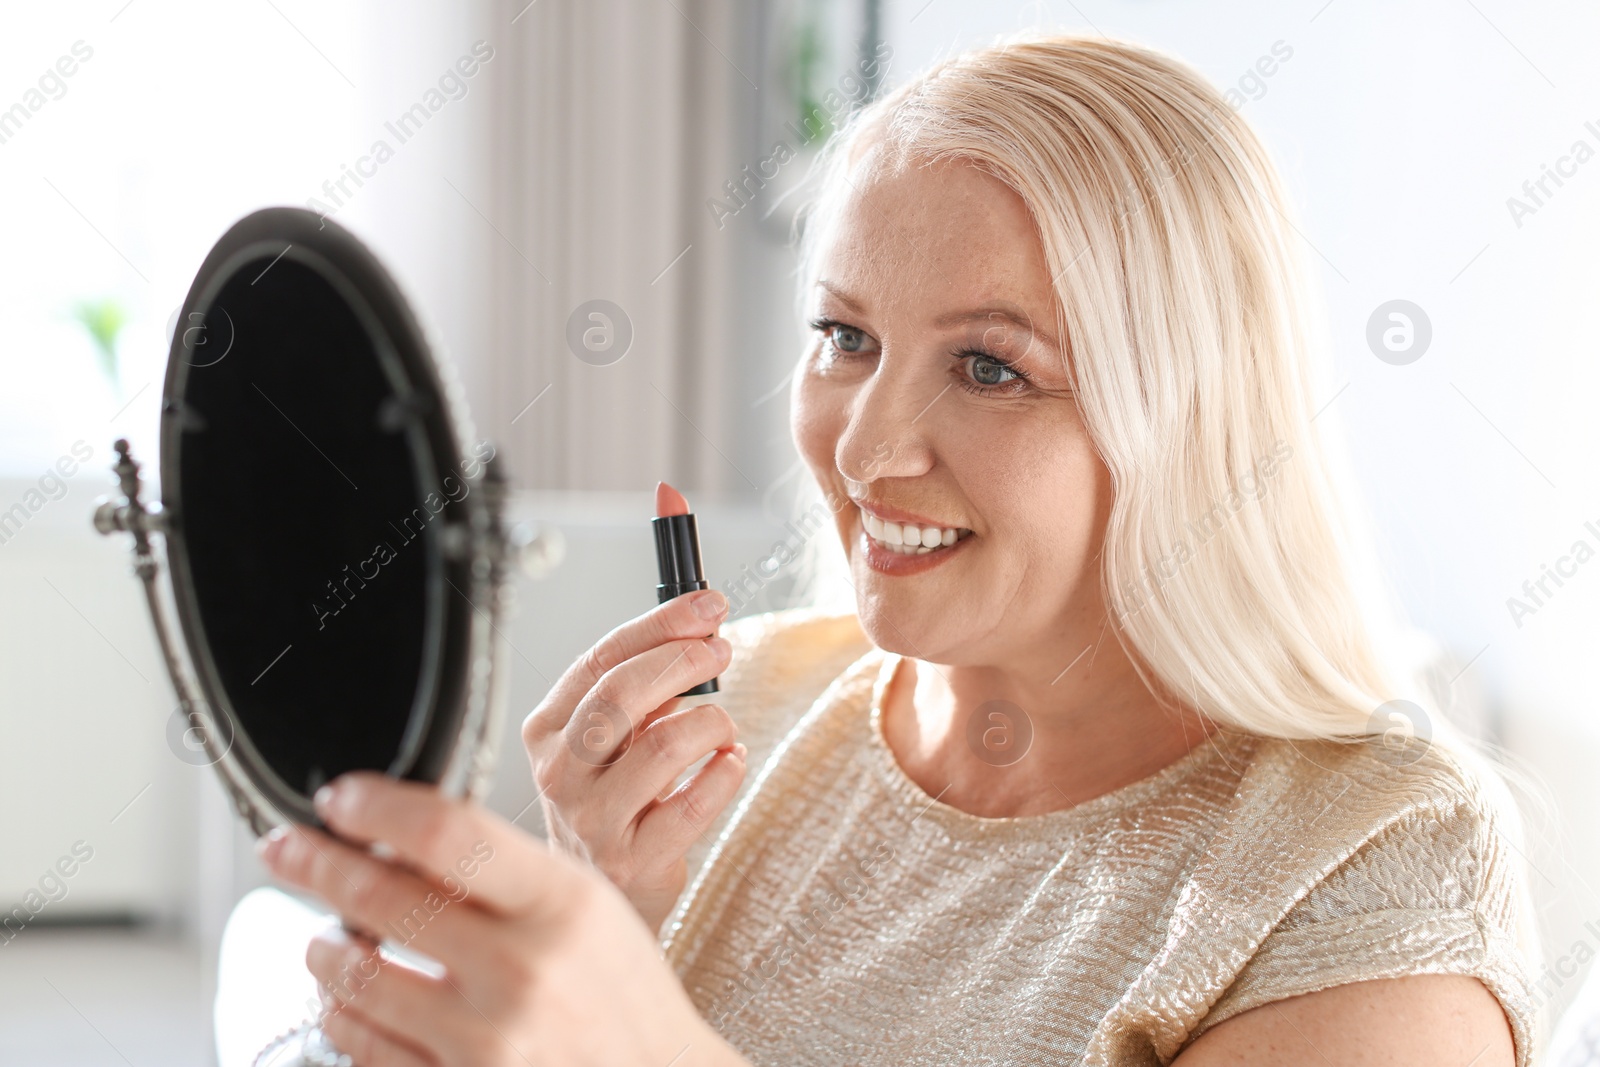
(909, 540)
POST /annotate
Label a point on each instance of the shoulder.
(1379, 865)
(796, 635)
(1422, 829)
(782, 662)
(1318, 821)
(781, 658)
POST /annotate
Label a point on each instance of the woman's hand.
(544, 961)
(607, 743)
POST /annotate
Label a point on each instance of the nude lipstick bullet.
(678, 556)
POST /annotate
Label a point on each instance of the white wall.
(86, 708)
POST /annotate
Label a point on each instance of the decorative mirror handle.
(133, 516)
(130, 516)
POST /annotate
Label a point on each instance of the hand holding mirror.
(337, 553)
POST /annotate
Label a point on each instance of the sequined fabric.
(845, 917)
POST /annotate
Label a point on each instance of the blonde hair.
(1236, 562)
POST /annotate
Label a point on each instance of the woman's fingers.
(353, 974)
(692, 615)
(605, 720)
(379, 898)
(666, 748)
(539, 943)
(671, 825)
(444, 838)
(610, 699)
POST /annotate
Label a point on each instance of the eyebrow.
(1007, 312)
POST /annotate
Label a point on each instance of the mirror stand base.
(304, 1046)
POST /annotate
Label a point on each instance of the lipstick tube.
(679, 567)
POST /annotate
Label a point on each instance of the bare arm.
(1427, 1020)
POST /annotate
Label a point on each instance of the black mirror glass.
(313, 482)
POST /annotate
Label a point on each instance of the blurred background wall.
(635, 160)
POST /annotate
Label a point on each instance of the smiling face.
(935, 396)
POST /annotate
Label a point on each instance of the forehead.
(919, 237)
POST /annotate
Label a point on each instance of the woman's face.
(935, 395)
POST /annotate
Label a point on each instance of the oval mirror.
(329, 525)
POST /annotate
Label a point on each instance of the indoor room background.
(641, 160)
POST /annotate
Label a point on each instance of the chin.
(893, 635)
(915, 623)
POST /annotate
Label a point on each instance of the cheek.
(1075, 502)
(1037, 479)
(815, 423)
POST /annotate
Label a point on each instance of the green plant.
(807, 62)
(104, 320)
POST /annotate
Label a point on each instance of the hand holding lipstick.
(609, 739)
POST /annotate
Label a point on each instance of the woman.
(1086, 777)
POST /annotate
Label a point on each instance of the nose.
(889, 431)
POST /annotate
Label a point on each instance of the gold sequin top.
(845, 917)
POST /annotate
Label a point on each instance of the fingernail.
(740, 751)
(710, 605)
(720, 646)
(323, 800)
(271, 846)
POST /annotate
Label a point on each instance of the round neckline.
(906, 789)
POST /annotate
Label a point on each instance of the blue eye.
(847, 338)
(984, 375)
(986, 370)
(842, 339)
